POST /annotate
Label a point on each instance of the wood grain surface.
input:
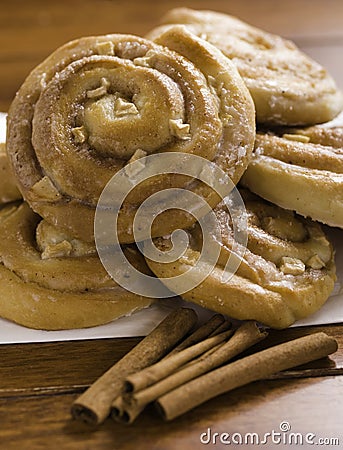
(38, 382)
(31, 30)
(257, 408)
(43, 366)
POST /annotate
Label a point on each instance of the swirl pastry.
(301, 170)
(8, 187)
(51, 281)
(286, 274)
(287, 86)
(99, 103)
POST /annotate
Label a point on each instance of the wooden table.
(38, 382)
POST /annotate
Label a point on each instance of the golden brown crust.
(287, 86)
(286, 274)
(301, 169)
(235, 107)
(96, 104)
(60, 285)
(8, 187)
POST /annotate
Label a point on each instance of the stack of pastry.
(191, 87)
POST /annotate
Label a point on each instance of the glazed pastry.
(51, 281)
(235, 106)
(286, 273)
(287, 86)
(99, 103)
(301, 170)
(8, 187)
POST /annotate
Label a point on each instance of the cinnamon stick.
(150, 375)
(94, 405)
(126, 408)
(246, 370)
(215, 325)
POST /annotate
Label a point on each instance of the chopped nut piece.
(290, 230)
(215, 94)
(227, 119)
(179, 129)
(296, 137)
(144, 61)
(133, 169)
(218, 85)
(212, 84)
(53, 242)
(315, 262)
(292, 266)
(224, 97)
(222, 91)
(122, 108)
(45, 189)
(191, 257)
(105, 48)
(139, 153)
(42, 81)
(211, 80)
(102, 90)
(59, 250)
(80, 134)
(321, 240)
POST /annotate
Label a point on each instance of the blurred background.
(31, 29)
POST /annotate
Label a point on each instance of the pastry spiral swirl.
(51, 281)
(301, 170)
(287, 86)
(99, 103)
(286, 273)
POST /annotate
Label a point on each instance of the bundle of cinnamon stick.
(177, 368)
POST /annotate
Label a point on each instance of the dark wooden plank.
(309, 406)
(74, 365)
(29, 31)
(58, 364)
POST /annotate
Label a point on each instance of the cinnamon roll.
(99, 103)
(287, 86)
(286, 273)
(301, 169)
(51, 281)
